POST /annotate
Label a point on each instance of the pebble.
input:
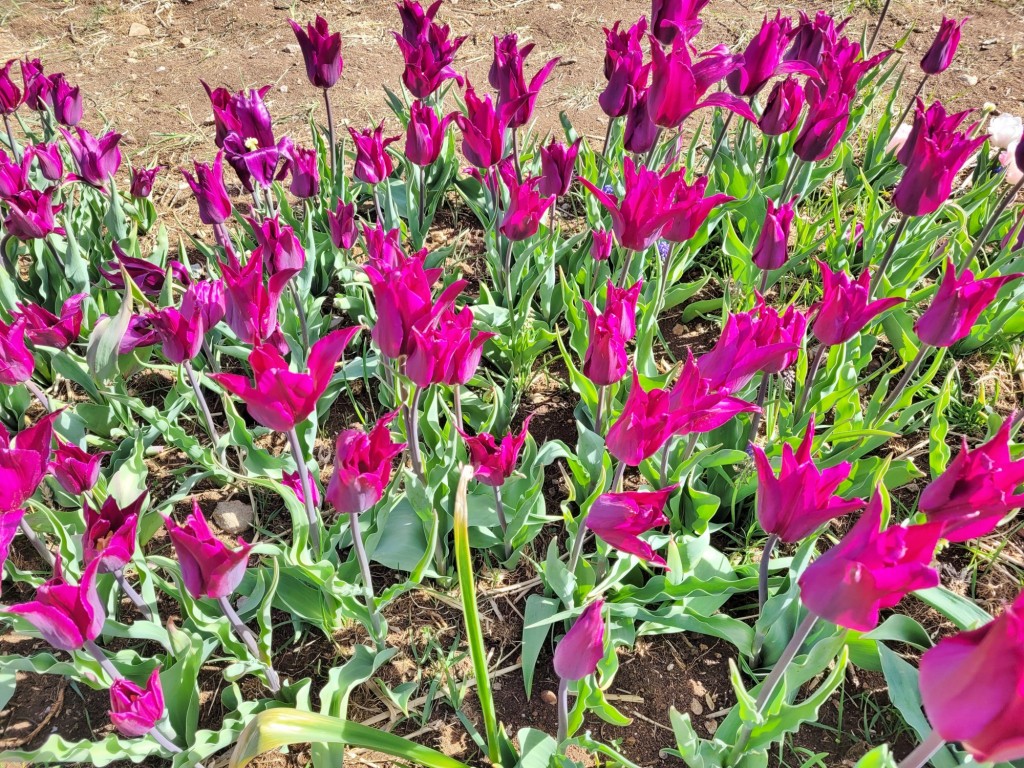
(283, 89)
(696, 707)
(548, 697)
(161, 69)
(292, 48)
(138, 30)
(969, 79)
(712, 726)
(234, 517)
(185, 42)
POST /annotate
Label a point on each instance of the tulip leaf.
(539, 610)
(105, 341)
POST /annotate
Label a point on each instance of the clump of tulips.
(848, 266)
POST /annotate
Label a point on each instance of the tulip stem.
(422, 197)
(499, 507)
(755, 419)
(563, 710)
(762, 580)
(105, 664)
(908, 374)
(654, 148)
(301, 312)
(132, 595)
(37, 543)
(509, 294)
(877, 277)
(412, 430)
(663, 473)
(56, 256)
(599, 412)
(10, 140)
(364, 570)
(878, 26)
(330, 131)
(307, 494)
(163, 741)
(924, 752)
(819, 356)
(246, 636)
(577, 544)
(208, 353)
(719, 141)
(203, 405)
(769, 149)
(515, 155)
(44, 401)
(772, 681)
(913, 99)
(608, 137)
(625, 268)
(791, 176)
(457, 399)
(990, 225)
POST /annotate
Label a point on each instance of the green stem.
(367, 576)
(819, 356)
(719, 141)
(249, 639)
(563, 710)
(878, 26)
(307, 495)
(887, 258)
(203, 405)
(908, 374)
(499, 506)
(330, 131)
(924, 752)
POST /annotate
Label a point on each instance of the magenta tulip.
(305, 172)
(446, 352)
(31, 214)
(97, 159)
(814, 37)
(294, 481)
(493, 460)
(373, 163)
(581, 649)
(24, 461)
(51, 163)
(696, 405)
(605, 361)
(342, 223)
(252, 305)
(692, 208)
(321, 51)
(483, 129)
(762, 59)
(141, 181)
(772, 248)
(211, 194)
(671, 19)
(16, 361)
(507, 77)
(757, 341)
(956, 306)
(943, 48)
(110, 532)
(75, 469)
(526, 205)
(67, 101)
(425, 135)
(557, 162)
(618, 519)
(601, 245)
(643, 426)
(277, 245)
(135, 711)
(624, 68)
(783, 107)
(845, 308)
(209, 568)
(10, 93)
(427, 49)
(620, 307)
(362, 467)
(66, 615)
(147, 276)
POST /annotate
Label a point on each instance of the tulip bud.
(208, 567)
(305, 173)
(581, 649)
(557, 162)
(135, 711)
(342, 222)
(940, 55)
(772, 248)
(321, 52)
(10, 93)
(483, 130)
(640, 132)
(67, 101)
(211, 194)
(425, 135)
(294, 481)
(51, 164)
(373, 163)
(601, 245)
(782, 110)
(76, 470)
(362, 467)
(141, 181)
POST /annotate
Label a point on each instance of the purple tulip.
(640, 133)
(38, 88)
(24, 461)
(16, 361)
(111, 532)
(97, 158)
(943, 48)
(957, 304)
(9, 525)
(620, 307)
(209, 568)
(672, 19)
(601, 244)
(294, 481)
(696, 405)
(76, 470)
(618, 519)
(252, 304)
(211, 194)
(249, 144)
(494, 461)
(10, 93)
(845, 307)
(141, 181)
(278, 246)
(643, 425)
(67, 101)
(425, 135)
(557, 162)
(13, 175)
(606, 361)
(31, 214)
(814, 37)
(526, 206)
(43, 328)
(483, 130)
(427, 50)
(762, 60)
(147, 276)
(321, 51)
(772, 248)
(446, 352)
(581, 650)
(692, 208)
(415, 20)
(373, 163)
(135, 711)
(782, 110)
(384, 248)
(624, 68)
(362, 467)
(51, 164)
(507, 77)
(66, 615)
(342, 223)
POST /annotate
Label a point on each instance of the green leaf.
(105, 340)
(539, 610)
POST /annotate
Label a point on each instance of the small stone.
(234, 517)
(970, 80)
(138, 30)
(161, 69)
(185, 42)
(548, 697)
(670, 667)
(283, 89)
(292, 48)
(282, 5)
(712, 726)
(555, 6)
(130, 60)
(696, 707)
(678, 330)
(698, 688)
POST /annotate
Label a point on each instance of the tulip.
(845, 308)
(428, 53)
(135, 711)
(415, 20)
(373, 163)
(506, 75)
(207, 299)
(147, 276)
(51, 164)
(762, 60)
(425, 135)
(362, 467)
(601, 245)
(9, 524)
(493, 460)
(76, 470)
(940, 55)
(280, 398)
(38, 87)
(618, 519)
(640, 134)
(801, 498)
(249, 144)
(10, 93)
(643, 426)
(620, 308)
(181, 335)
(772, 248)
(977, 490)
(252, 305)
(828, 113)
(209, 568)
(692, 208)
(24, 461)
(447, 352)
(933, 155)
(679, 87)
(1012, 173)
(13, 175)
(31, 214)
(581, 649)
(141, 183)
(1005, 129)
(305, 173)
(758, 341)
(321, 51)
(672, 18)
(814, 37)
(695, 405)
(639, 217)
(342, 223)
(211, 194)
(483, 129)
(782, 110)
(526, 206)
(870, 569)
(67, 101)
(279, 249)
(140, 333)
(557, 162)
(606, 361)
(970, 687)
(956, 306)
(294, 481)
(16, 361)
(384, 248)
(224, 121)
(67, 616)
(97, 159)
(110, 532)
(624, 68)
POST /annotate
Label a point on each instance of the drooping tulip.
(783, 107)
(110, 532)
(147, 276)
(695, 405)
(141, 181)
(24, 460)
(16, 360)
(507, 77)
(342, 223)
(446, 352)
(362, 467)
(870, 569)
(75, 469)
(97, 158)
(679, 85)
(280, 398)
(211, 194)
(494, 460)
(674, 18)
(618, 519)
(977, 490)
(425, 134)
(321, 52)
(605, 361)
(305, 172)
(801, 497)
(957, 304)
(209, 568)
(692, 208)
(66, 615)
(32, 215)
(135, 711)
(581, 649)
(940, 55)
(845, 308)
(643, 426)
(772, 248)
(971, 687)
